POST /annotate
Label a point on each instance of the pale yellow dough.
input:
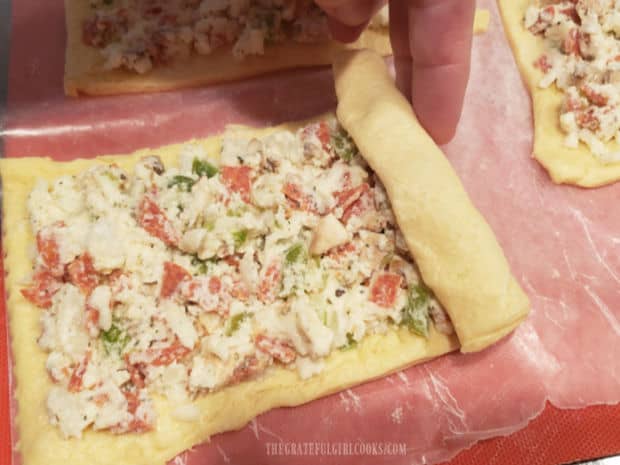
(565, 165)
(446, 261)
(84, 73)
(456, 251)
(482, 19)
(226, 410)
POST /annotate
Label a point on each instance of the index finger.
(440, 36)
(348, 18)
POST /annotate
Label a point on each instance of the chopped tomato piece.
(593, 96)
(384, 288)
(587, 119)
(82, 273)
(570, 46)
(348, 197)
(279, 349)
(135, 373)
(132, 401)
(321, 131)
(154, 221)
(173, 276)
(136, 425)
(215, 285)
(572, 104)
(324, 135)
(101, 399)
(571, 12)
(248, 368)
(75, 382)
(299, 199)
(549, 10)
(270, 282)
(341, 251)
(206, 292)
(49, 252)
(543, 64)
(92, 320)
(240, 291)
(363, 204)
(237, 179)
(42, 289)
(170, 354)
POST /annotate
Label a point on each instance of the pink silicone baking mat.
(563, 244)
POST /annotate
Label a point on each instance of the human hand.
(431, 41)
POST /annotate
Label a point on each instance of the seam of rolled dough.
(455, 249)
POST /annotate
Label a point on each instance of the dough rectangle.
(226, 410)
(84, 73)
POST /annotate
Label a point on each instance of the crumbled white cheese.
(203, 285)
(307, 368)
(100, 300)
(180, 323)
(71, 412)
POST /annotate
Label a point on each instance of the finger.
(348, 18)
(440, 33)
(399, 37)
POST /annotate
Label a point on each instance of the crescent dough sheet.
(456, 251)
(225, 410)
(565, 165)
(84, 73)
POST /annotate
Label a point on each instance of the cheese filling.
(139, 34)
(582, 58)
(183, 280)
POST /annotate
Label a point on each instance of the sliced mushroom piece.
(328, 233)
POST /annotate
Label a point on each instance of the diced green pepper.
(237, 213)
(235, 323)
(114, 340)
(184, 182)
(111, 335)
(294, 253)
(202, 265)
(240, 237)
(343, 145)
(415, 313)
(203, 168)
